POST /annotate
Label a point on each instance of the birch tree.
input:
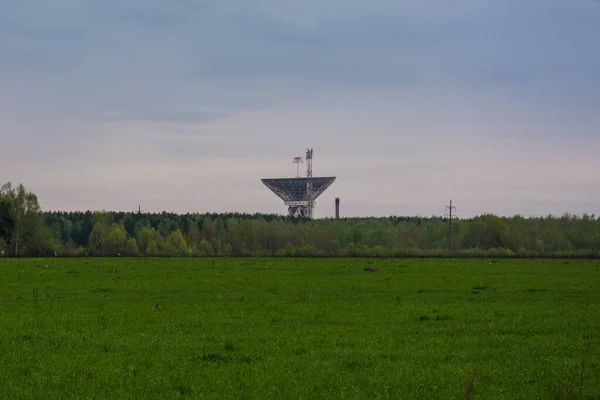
(26, 213)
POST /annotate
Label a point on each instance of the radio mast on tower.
(297, 161)
(309, 188)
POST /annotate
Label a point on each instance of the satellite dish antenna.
(299, 194)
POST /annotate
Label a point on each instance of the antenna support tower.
(299, 194)
(309, 189)
(297, 161)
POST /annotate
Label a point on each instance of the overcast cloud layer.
(183, 105)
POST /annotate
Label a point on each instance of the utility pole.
(450, 208)
(139, 214)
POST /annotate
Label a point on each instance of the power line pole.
(139, 214)
(450, 208)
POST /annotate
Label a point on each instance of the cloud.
(408, 103)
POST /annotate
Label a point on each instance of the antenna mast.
(297, 161)
(309, 191)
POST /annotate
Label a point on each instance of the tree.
(7, 219)
(3, 245)
(249, 237)
(487, 231)
(152, 249)
(289, 250)
(116, 237)
(205, 249)
(265, 235)
(99, 235)
(27, 214)
(166, 226)
(82, 230)
(65, 229)
(216, 245)
(539, 246)
(70, 247)
(176, 243)
(145, 236)
(357, 237)
(233, 237)
(131, 249)
(43, 239)
(326, 239)
(192, 236)
(227, 250)
(209, 228)
(307, 251)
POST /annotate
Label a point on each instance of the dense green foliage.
(24, 230)
(303, 328)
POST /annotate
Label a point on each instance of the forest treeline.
(26, 230)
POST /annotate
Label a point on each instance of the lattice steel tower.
(299, 194)
(309, 189)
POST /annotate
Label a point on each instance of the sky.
(184, 105)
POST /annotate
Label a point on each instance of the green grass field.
(304, 328)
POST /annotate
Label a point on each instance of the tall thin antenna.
(309, 194)
(297, 161)
(450, 208)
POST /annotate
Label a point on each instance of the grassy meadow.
(299, 328)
